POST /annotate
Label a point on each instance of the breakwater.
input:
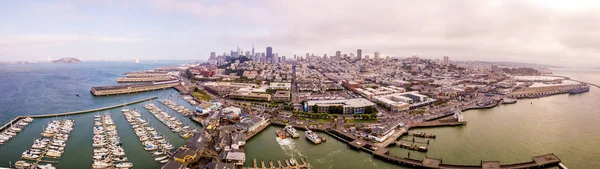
(75, 112)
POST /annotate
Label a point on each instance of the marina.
(48, 149)
(170, 121)
(176, 107)
(14, 129)
(152, 141)
(108, 148)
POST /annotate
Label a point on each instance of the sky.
(555, 32)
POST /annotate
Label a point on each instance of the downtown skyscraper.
(269, 54)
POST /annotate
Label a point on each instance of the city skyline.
(547, 32)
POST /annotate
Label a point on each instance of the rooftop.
(358, 102)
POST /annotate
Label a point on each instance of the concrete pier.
(302, 164)
(91, 110)
(73, 113)
(542, 161)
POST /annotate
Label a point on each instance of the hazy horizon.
(549, 32)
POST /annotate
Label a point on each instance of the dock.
(302, 164)
(541, 161)
(439, 123)
(258, 130)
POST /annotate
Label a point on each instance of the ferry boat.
(313, 137)
(292, 131)
(509, 101)
(581, 89)
(280, 134)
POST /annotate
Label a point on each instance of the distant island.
(67, 60)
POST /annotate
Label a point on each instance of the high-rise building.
(247, 54)
(359, 53)
(213, 55)
(366, 57)
(253, 51)
(338, 54)
(446, 61)
(234, 54)
(376, 56)
(269, 55)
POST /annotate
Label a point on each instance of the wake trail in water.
(326, 158)
(288, 146)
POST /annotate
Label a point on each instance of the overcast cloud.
(549, 31)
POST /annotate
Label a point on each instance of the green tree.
(369, 110)
(315, 108)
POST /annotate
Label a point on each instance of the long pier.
(568, 78)
(73, 113)
(92, 110)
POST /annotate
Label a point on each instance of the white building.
(350, 106)
(280, 86)
(381, 133)
(253, 123)
(398, 102)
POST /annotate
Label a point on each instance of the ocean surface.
(566, 125)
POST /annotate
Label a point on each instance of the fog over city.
(564, 33)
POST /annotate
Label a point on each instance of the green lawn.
(201, 94)
(361, 120)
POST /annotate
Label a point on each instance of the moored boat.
(580, 89)
(509, 101)
(313, 137)
(292, 131)
(280, 134)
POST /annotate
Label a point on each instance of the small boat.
(374, 147)
(100, 165)
(77, 94)
(292, 131)
(164, 161)
(47, 166)
(28, 119)
(124, 165)
(292, 161)
(161, 158)
(509, 101)
(157, 153)
(22, 164)
(280, 134)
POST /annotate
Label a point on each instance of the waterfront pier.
(302, 164)
(132, 88)
(258, 130)
(541, 161)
